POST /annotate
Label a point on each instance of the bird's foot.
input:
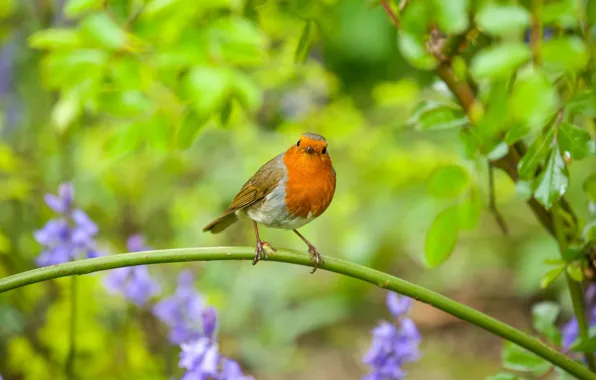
(315, 258)
(261, 251)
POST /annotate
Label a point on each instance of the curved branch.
(346, 268)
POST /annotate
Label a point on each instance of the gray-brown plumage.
(253, 191)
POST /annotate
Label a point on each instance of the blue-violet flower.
(394, 344)
(201, 357)
(182, 311)
(570, 330)
(134, 283)
(68, 236)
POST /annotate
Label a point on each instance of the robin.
(289, 191)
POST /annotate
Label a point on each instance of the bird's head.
(311, 144)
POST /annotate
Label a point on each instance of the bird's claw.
(261, 251)
(315, 258)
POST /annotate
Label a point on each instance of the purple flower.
(136, 243)
(68, 236)
(201, 357)
(394, 344)
(182, 312)
(570, 331)
(135, 283)
(231, 371)
(209, 319)
(398, 306)
(62, 202)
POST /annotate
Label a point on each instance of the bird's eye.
(324, 150)
(298, 143)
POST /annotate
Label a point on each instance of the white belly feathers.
(272, 211)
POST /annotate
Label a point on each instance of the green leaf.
(551, 276)
(518, 359)
(417, 17)
(207, 88)
(499, 151)
(414, 51)
(66, 69)
(157, 132)
(55, 38)
(503, 19)
(576, 141)
(544, 315)
(555, 262)
(238, 40)
(562, 12)
(103, 30)
(533, 100)
(589, 187)
(575, 272)
(585, 345)
(553, 181)
(583, 103)
(226, 111)
(441, 237)
(470, 210)
(74, 8)
(155, 7)
(567, 53)
(504, 376)
(435, 116)
(305, 42)
(523, 189)
(589, 231)
(591, 12)
(66, 110)
(125, 139)
(7, 7)
(452, 15)
(536, 153)
(448, 181)
(499, 62)
(127, 103)
(572, 254)
(4, 243)
(188, 130)
(246, 91)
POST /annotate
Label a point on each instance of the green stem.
(353, 270)
(70, 359)
(575, 288)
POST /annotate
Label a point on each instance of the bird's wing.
(265, 180)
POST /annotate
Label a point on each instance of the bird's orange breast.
(310, 184)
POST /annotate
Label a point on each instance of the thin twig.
(390, 12)
(575, 288)
(491, 200)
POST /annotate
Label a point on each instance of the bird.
(289, 191)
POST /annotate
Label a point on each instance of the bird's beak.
(309, 149)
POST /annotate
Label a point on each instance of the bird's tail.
(221, 223)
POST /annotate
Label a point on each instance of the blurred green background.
(158, 111)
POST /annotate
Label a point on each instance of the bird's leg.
(262, 246)
(315, 257)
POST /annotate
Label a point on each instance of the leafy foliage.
(159, 110)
